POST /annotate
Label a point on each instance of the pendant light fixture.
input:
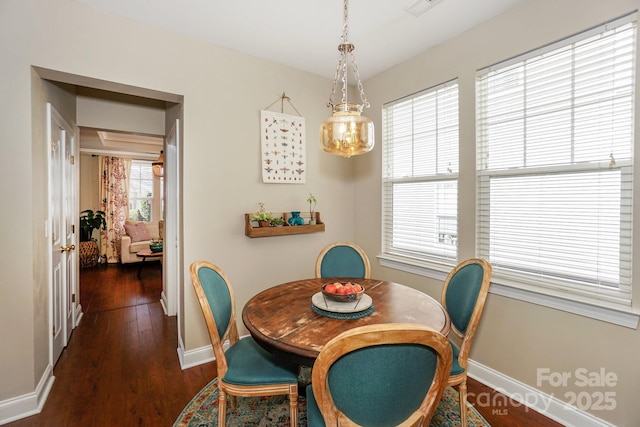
(347, 132)
(158, 166)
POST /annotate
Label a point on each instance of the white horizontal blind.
(555, 165)
(420, 175)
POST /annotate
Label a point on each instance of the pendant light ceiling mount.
(347, 132)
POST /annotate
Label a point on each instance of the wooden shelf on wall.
(285, 230)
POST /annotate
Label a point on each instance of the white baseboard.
(546, 404)
(78, 314)
(198, 356)
(28, 404)
(164, 303)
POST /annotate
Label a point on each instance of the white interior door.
(62, 212)
(58, 248)
(171, 271)
(69, 219)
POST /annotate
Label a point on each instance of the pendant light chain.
(342, 69)
(363, 97)
(345, 25)
(356, 73)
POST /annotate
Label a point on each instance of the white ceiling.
(304, 34)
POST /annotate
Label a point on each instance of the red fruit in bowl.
(330, 288)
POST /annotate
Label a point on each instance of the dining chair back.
(391, 374)
(245, 368)
(343, 259)
(463, 296)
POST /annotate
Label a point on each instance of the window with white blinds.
(420, 175)
(555, 165)
(140, 191)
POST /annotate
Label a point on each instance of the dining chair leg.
(233, 401)
(293, 408)
(222, 409)
(462, 389)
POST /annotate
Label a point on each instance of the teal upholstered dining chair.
(245, 369)
(463, 296)
(343, 259)
(391, 374)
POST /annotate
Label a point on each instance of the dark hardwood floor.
(500, 411)
(121, 365)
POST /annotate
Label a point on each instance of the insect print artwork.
(283, 143)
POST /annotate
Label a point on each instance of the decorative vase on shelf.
(295, 219)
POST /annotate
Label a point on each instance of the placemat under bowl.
(346, 316)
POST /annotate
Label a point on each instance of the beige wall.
(89, 182)
(121, 114)
(223, 93)
(514, 338)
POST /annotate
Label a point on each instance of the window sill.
(618, 316)
(415, 266)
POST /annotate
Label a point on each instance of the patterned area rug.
(202, 411)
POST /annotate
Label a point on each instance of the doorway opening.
(107, 106)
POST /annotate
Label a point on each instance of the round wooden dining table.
(282, 320)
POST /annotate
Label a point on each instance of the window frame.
(423, 263)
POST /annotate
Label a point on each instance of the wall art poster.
(283, 142)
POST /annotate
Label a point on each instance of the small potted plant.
(312, 207)
(262, 217)
(277, 222)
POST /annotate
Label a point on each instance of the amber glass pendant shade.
(347, 132)
(158, 166)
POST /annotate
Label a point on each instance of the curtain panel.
(114, 201)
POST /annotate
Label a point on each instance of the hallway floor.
(121, 366)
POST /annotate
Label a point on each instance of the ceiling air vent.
(418, 7)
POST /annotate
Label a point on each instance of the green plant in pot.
(262, 217)
(277, 221)
(312, 207)
(89, 221)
